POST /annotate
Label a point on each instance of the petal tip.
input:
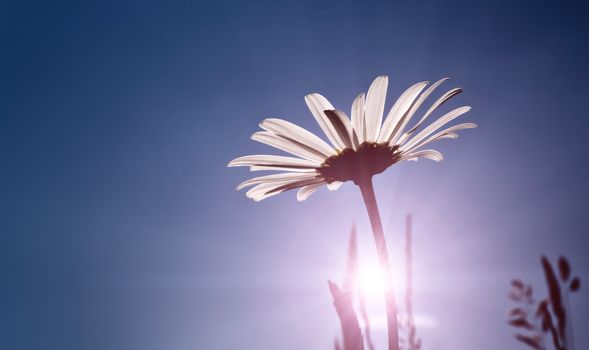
(311, 95)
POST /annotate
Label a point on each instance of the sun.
(371, 280)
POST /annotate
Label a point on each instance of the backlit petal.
(317, 105)
(375, 100)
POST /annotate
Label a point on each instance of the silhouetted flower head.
(360, 147)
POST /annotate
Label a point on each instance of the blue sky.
(120, 226)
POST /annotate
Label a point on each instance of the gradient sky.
(119, 224)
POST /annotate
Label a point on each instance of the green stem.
(383, 256)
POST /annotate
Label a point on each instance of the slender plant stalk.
(413, 343)
(383, 256)
(569, 335)
(364, 313)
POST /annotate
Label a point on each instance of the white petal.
(448, 117)
(263, 191)
(317, 104)
(358, 117)
(308, 190)
(340, 122)
(334, 185)
(296, 133)
(448, 95)
(429, 154)
(257, 192)
(394, 119)
(397, 134)
(272, 160)
(276, 178)
(281, 168)
(288, 145)
(448, 133)
(403, 138)
(266, 190)
(375, 100)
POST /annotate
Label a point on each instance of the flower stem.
(383, 256)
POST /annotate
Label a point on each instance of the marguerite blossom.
(360, 146)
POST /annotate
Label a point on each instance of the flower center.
(359, 165)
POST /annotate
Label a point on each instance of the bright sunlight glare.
(371, 284)
(371, 280)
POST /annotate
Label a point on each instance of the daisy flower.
(360, 147)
